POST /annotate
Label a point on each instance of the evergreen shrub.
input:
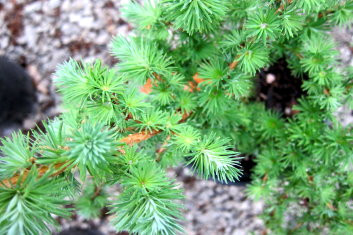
(183, 91)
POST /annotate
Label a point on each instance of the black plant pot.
(87, 231)
(80, 231)
(17, 94)
(247, 164)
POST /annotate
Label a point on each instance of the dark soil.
(80, 231)
(281, 93)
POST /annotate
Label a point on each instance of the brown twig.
(281, 7)
(139, 137)
(41, 171)
(97, 191)
(162, 149)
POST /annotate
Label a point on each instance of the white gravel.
(42, 34)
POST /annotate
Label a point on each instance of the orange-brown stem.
(41, 171)
(139, 137)
(281, 7)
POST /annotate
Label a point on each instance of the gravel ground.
(213, 208)
(40, 34)
(344, 40)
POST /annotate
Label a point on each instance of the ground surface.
(40, 34)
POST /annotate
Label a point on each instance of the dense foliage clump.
(183, 91)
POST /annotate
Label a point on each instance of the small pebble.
(270, 78)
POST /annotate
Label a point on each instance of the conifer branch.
(130, 140)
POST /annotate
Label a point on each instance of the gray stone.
(86, 22)
(33, 7)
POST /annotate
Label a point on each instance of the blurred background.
(37, 35)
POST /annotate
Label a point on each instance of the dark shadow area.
(278, 88)
(17, 94)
